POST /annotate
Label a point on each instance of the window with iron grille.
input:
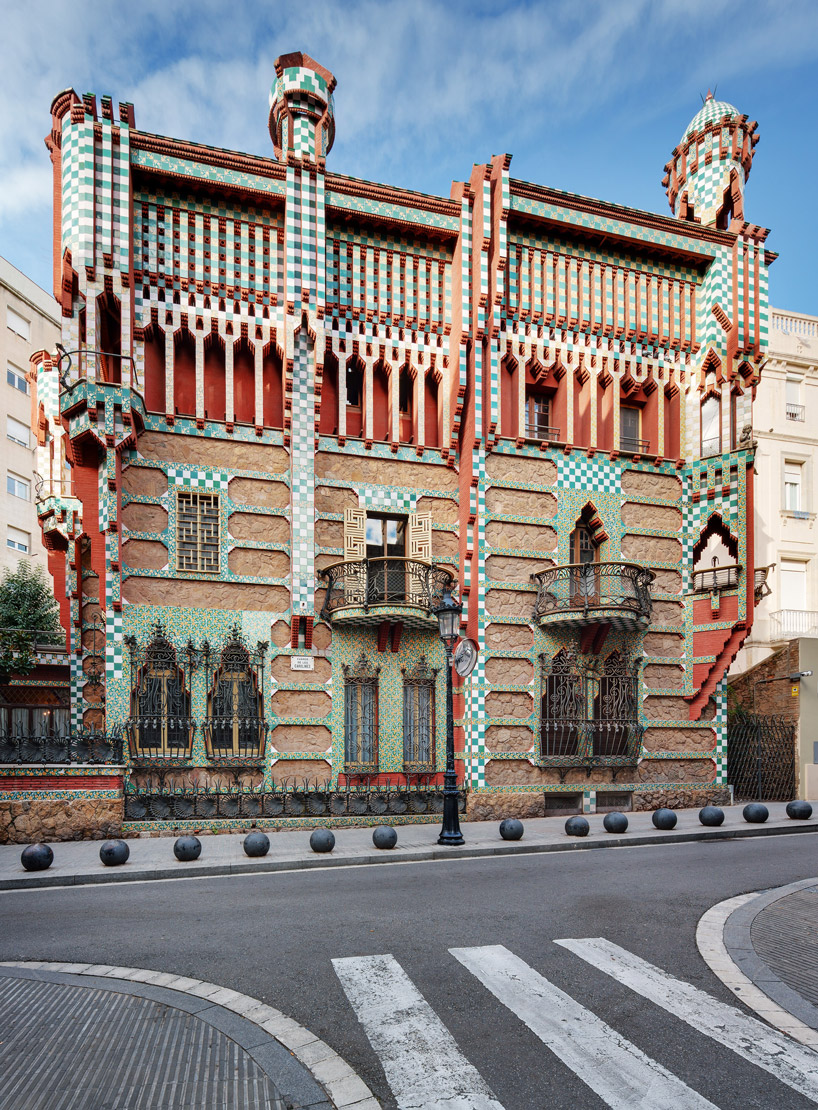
(235, 726)
(419, 717)
(197, 532)
(361, 716)
(160, 702)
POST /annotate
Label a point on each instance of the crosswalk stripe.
(786, 1059)
(423, 1065)
(616, 1070)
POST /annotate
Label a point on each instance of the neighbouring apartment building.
(298, 407)
(787, 499)
(29, 320)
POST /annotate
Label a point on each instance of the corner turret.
(302, 118)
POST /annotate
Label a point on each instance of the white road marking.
(425, 1068)
(616, 1070)
(790, 1062)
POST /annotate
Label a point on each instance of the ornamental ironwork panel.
(583, 588)
(590, 715)
(76, 746)
(760, 757)
(361, 715)
(235, 727)
(387, 580)
(160, 724)
(197, 531)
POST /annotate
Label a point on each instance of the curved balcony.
(366, 591)
(591, 593)
(716, 578)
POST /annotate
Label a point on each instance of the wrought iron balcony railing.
(364, 584)
(156, 736)
(235, 738)
(585, 592)
(545, 432)
(79, 746)
(632, 446)
(584, 743)
(95, 365)
(717, 578)
(796, 412)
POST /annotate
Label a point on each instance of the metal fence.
(760, 758)
(82, 746)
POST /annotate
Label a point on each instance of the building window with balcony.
(386, 554)
(197, 532)
(18, 487)
(630, 430)
(711, 425)
(16, 378)
(160, 724)
(795, 410)
(361, 717)
(235, 726)
(419, 718)
(793, 618)
(538, 414)
(17, 431)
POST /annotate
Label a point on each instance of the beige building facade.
(29, 321)
(786, 506)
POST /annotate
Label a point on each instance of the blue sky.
(590, 96)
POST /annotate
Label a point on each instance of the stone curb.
(333, 1084)
(724, 943)
(195, 871)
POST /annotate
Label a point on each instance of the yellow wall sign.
(794, 690)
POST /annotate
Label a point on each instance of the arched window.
(361, 717)
(406, 406)
(419, 718)
(563, 708)
(355, 398)
(711, 425)
(109, 338)
(381, 408)
(160, 725)
(509, 416)
(235, 726)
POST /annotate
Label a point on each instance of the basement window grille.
(197, 532)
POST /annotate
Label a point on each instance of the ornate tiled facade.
(274, 365)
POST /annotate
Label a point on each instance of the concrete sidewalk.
(78, 862)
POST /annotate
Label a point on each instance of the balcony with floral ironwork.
(366, 591)
(590, 593)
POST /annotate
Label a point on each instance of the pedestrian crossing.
(426, 1069)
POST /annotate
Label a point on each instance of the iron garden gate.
(761, 758)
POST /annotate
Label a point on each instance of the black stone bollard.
(385, 837)
(114, 853)
(511, 829)
(322, 840)
(36, 857)
(799, 810)
(256, 844)
(664, 819)
(711, 816)
(615, 822)
(187, 848)
(576, 826)
(755, 813)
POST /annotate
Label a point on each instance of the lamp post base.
(450, 834)
(451, 839)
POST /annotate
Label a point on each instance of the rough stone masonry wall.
(46, 818)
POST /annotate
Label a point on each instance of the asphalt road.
(275, 936)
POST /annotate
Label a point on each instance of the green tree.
(29, 615)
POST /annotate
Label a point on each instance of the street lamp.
(448, 620)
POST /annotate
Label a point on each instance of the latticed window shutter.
(355, 552)
(420, 537)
